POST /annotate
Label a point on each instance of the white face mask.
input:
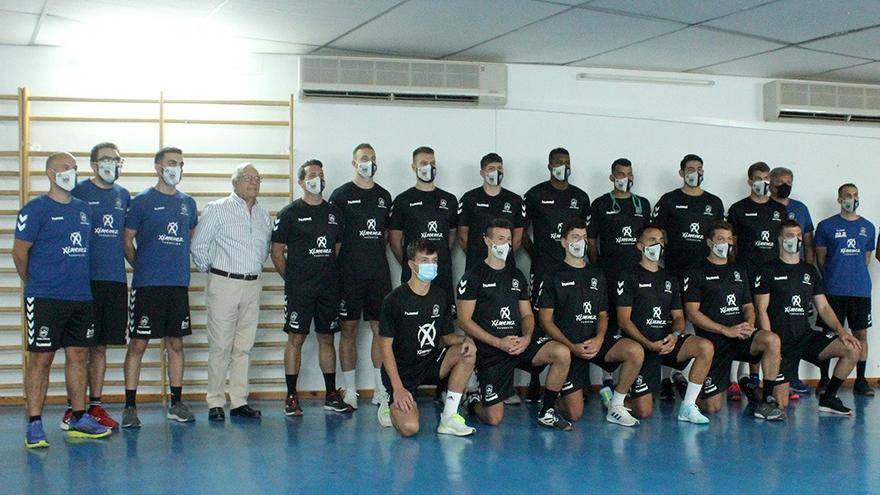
(623, 185)
(314, 185)
(721, 250)
(500, 251)
(850, 204)
(494, 177)
(653, 253)
(66, 180)
(578, 248)
(761, 187)
(792, 245)
(693, 179)
(366, 169)
(172, 175)
(561, 173)
(108, 171)
(427, 173)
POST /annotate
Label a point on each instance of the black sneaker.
(216, 414)
(471, 401)
(552, 420)
(666, 392)
(861, 387)
(333, 402)
(292, 407)
(680, 383)
(748, 389)
(769, 410)
(533, 396)
(834, 405)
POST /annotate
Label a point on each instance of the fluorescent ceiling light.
(589, 76)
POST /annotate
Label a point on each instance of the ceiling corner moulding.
(588, 76)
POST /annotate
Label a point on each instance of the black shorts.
(56, 323)
(807, 348)
(362, 297)
(302, 306)
(495, 370)
(427, 373)
(727, 350)
(854, 312)
(157, 312)
(648, 380)
(110, 300)
(579, 371)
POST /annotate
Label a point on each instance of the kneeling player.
(649, 311)
(494, 309)
(783, 290)
(413, 317)
(573, 310)
(718, 301)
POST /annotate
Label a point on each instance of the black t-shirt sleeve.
(718, 209)
(659, 215)
(445, 327)
(818, 286)
(336, 198)
(675, 303)
(464, 211)
(468, 286)
(340, 221)
(281, 229)
(547, 293)
(733, 218)
(603, 293)
(388, 318)
(523, 286)
(529, 203)
(453, 213)
(626, 289)
(395, 216)
(586, 212)
(692, 291)
(762, 282)
(386, 199)
(597, 211)
(519, 208)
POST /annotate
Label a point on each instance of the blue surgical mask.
(427, 272)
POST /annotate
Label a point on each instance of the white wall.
(654, 125)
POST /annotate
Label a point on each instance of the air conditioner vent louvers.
(848, 103)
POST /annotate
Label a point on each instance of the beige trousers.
(233, 308)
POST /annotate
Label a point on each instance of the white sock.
(451, 405)
(378, 387)
(693, 391)
(734, 373)
(348, 381)
(617, 398)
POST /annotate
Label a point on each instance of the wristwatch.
(678, 334)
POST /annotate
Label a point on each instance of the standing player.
(844, 248)
(483, 204)
(783, 290)
(573, 304)
(425, 211)
(158, 228)
(108, 201)
(494, 310)
(51, 255)
(649, 311)
(548, 205)
(415, 322)
(718, 302)
(363, 266)
(310, 229)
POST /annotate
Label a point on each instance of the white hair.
(236, 174)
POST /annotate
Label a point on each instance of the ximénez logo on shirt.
(107, 230)
(587, 315)
(432, 231)
(626, 236)
(731, 308)
(171, 238)
(694, 233)
(656, 320)
(764, 242)
(505, 319)
(370, 232)
(75, 249)
(427, 335)
(796, 307)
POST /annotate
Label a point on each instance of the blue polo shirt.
(847, 242)
(108, 222)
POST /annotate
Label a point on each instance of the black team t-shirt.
(311, 234)
(686, 219)
(756, 227)
(652, 297)
(721, 290)
(476, 209)
(547, 208)
(497, 294)
(577, 297)
(362, 256)
(791, 288)
(616, 223)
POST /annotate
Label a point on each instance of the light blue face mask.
(427, 272)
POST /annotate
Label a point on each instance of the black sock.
(443, 385)
(833, 386)
(535, 380)
(130, 398)
(330, 382)
(68, 404)
(860, 370)
(549, 400)
(291, 383)
(77, 415)
(31, 419)
(823, 369)
(94, 401)
(175, 394)
(768, 389)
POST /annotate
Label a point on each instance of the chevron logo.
(462, 286)
(620, 287)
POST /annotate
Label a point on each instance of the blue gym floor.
(330, 453)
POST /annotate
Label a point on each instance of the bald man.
(231, 243)
(51, 255)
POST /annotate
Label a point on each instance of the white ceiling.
(810, 39)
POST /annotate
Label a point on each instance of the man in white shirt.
(231, 243)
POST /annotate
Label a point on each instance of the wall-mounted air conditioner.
(402, 81)
(816, 101)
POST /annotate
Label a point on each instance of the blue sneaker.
(799, 387)
(35, 438)
(87, 427)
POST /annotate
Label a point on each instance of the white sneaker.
(377, 397)
(620, 415)
(513, 400)
(692, 414)
(350, 397)
(455, 426)
(384, 413)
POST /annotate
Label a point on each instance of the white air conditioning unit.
(402, 81)
(821, 102)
